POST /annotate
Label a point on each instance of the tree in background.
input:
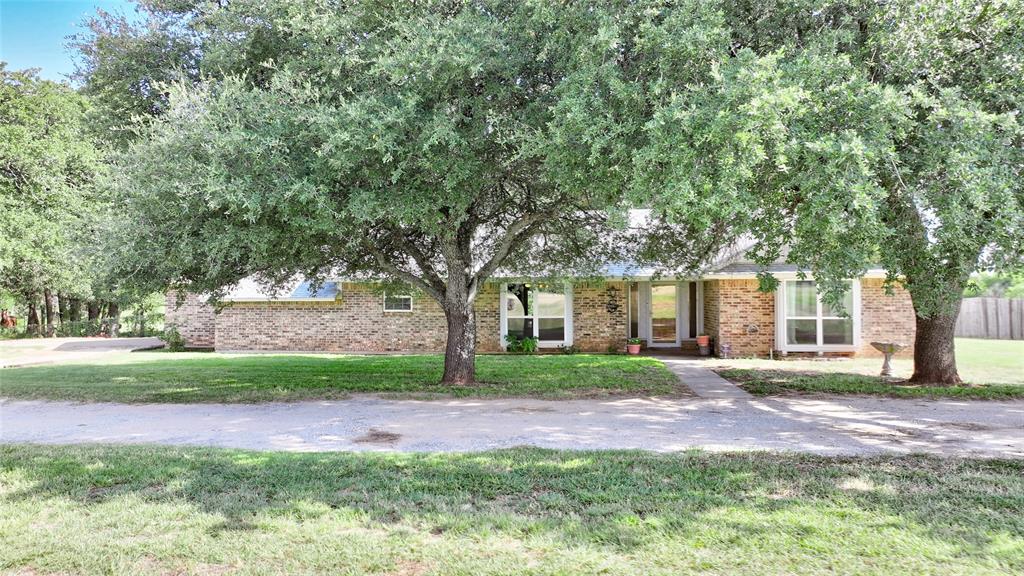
(846, 134)
(48, 166)
(996, 285)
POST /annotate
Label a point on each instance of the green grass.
(146, 510)
(162, 377)
(773, 382)
(994, 369)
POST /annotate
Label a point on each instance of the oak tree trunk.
(93, 310)
(32, 322)
(934, 358)
(48, 307)
(114, 315)
(62, 308)
(460, 350)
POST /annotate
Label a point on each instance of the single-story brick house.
(594, 316)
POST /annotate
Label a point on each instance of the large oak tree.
(429, 143)
(842, 135)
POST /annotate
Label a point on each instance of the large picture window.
(808, 323)
(537, 311)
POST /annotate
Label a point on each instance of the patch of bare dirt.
(529, 409)
(375, 436)
(409, 568)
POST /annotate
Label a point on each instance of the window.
(537, 311)
(397, 302)
(807, 323)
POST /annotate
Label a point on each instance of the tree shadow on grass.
(621, 500)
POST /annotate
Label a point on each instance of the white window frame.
(568, 331)
(781, 341)
(384, 303)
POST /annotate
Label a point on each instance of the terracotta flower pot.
(703, 340)
(633, 348)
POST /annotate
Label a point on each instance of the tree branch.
(517, 231)
(391, 268)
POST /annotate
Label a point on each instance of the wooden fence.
(994, 318)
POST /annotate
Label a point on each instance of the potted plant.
(633, 345)
(704, 345)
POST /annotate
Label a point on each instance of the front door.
(664, 315)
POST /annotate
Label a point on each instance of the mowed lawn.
(147, 510)
(991, 369)
(207, 377)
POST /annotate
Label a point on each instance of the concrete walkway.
(702, 380)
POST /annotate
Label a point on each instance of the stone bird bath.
(888, 349)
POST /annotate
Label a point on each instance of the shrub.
(172, 338)
(517, 345)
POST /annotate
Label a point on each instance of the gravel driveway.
(851, 426)
(36, 351)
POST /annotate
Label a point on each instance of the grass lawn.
(135, 510)
(197, 377)
(993, 368)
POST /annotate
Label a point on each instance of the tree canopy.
(843, 135)
(423, 143)
(48, 200)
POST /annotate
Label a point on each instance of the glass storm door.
(664, 315)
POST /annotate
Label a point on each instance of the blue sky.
(33, 32)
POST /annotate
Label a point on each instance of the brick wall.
(885, 317)
(355, 322)
(737, 314)
(711, 311)
(599, 316)
(745, 317)
(194, 319)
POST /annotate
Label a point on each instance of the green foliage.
(517, 345)
(996, 285)
(635, 341)
(48, 168)
(432, 144)
(844, 135)
(173, 339)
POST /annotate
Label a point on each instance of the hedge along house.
(593, 316)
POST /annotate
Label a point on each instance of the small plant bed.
(788, 382)
(211, 377)
(157, 510)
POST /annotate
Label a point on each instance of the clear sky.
(33, 32)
